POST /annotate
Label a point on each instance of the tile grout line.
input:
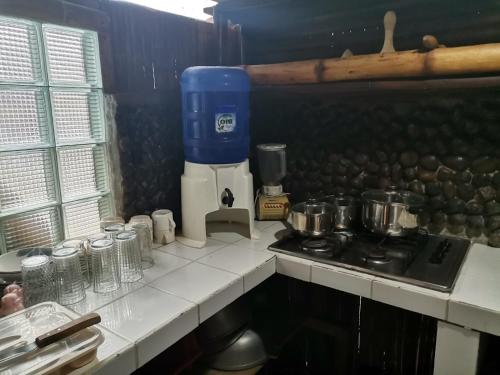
(111, 301)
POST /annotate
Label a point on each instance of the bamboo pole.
(477, 59)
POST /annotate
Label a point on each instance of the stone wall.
(446, 147)
(151, 156)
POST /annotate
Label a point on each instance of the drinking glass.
(143, 219)
(113, 229)
(129, 256)
(105, 268)
(145, 245)
(110, 220)
(38, 280)
(83, 254)
(68, 275)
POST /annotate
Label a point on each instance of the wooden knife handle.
(67, 329)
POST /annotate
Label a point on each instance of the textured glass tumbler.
(110, 220)
(145, 245)
(68, 275)
(83, 254)
(129, 256)
(38, 280)
(113, 229)
(143, 219)
(105, 268)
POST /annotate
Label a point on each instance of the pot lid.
(340, 199)
(394, 196)
(271, 146)
(312, 207)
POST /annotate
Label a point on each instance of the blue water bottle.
(215, 114)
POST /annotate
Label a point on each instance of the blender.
(272, 203)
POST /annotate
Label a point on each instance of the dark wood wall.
(285, 30)
(142, 50)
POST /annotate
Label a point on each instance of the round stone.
(408, 159)
(455, 206)
(425, 175)
(473, 232)
(409, 174)
(424, 218)
(436, 228)
(465, 191)
(372, 167)
(385, 170)
(485, 164)
(417, 187)
(475, 221)
(361, 159)
(433, 188)
(481, 179)
(455, 229)
(474, 208)
(396, 171)
(429, 162)
(456, 162)
(493, 222)
(445, 174)
(494, 238)
(438, 217)
(449, 189)
(437, 202)
(457, 219)
(487, 193)
(492, 208)
(496, 179)
(462, 177)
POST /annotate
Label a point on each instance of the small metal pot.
(346, 211)
(312, 218)
(391, 212)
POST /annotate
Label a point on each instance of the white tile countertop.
(475, 301)
(186, 286)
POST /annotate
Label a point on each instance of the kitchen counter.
(186, 286)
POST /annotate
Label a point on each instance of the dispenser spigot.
(228, 198)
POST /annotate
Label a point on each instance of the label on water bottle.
(225, 122)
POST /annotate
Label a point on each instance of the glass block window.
(27, 179)
(53, 160)
(38, 228)
(82, 217)
(24, 116)
(21, 60)
(77, 115)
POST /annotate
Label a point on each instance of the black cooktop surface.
(427, 260)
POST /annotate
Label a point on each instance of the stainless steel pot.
(391, 212)
(312, 218)
(346, 211)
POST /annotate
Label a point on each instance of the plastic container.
(215, 114)
(272, 163)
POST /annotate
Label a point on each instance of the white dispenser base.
(203, 188)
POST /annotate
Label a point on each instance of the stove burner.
(328, 246)
(405, 259)
(315, 244)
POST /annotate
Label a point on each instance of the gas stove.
(427, 260)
